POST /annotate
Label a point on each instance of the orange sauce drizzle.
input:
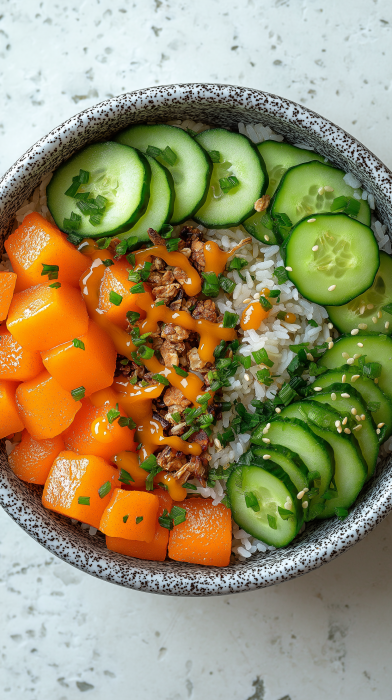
(252, 316)
(216, 259)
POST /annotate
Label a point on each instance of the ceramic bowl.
(220, 105)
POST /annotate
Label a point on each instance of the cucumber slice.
(363, 431)
(286, 460)
(298, 193)
(350, 468)
(237, 157)
(370, 392)
(377, 348)
(191, 169)
(267, 491)
(160, 205)
(117, 172)
(278, 158)
(296, 435)
(347, 317)
(331, 258)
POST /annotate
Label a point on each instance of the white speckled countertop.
(62, 634)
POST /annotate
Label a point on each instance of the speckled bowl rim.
(225, 105)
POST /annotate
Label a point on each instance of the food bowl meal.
(195, 340)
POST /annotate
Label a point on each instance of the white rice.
(274, 335)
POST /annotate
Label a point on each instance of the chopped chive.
(78, 394)
(55, 285)
(281, 274)
(166, 231)
(108, 262)
(125, 477)
(74, 239)
(161, 379)
(72, 190)
(178, 515)
(203, 398)
(132, 316)
(103, 243)
(272, 522)
(113, 414)
(176, 417)
(245, 361)
(284, 513)
(169, 156)
(261, 357)
(181, 372)
(251, 501)
(78, 344)
(136, 358)
(131, 259)
(165, 520)
(84, 176)
(95, 219)
(145, 272)
(210, 285)
(104, 489)
(265, 303)
(121, 248)
(215, 156)
(312, 322)
(125, 422)
(339, 203)
(139, 519)
(146, 352)
(133, 380)
(227, 285)
(137, 289)
(172, 244)
(274, 293)
(134, 276)
(125, 518)
(50, 270)
(263, 376)
(83, 196)
(153, 151)
(115, 298)
(84, 500)
(227, 183)
(287, 394)
(220, 349)
(160, 302)
(191, 487)
(230, 320)
(236, 264)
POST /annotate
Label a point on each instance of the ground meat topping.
(167, 292)
(180, 275)
(174, 333)
(195, 362)
(170, 459)
(155, 238)
(175, 397)
(169, 352)
(206, 310)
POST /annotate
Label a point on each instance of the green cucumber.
(259, 498)
(357, 311)
(331, 258)
(376, 347)
(296, 435)
(189, 165)
(371, 394)
(286, 460)
(116, 172)
(278, 158)
(298, 193)
(160, 205)
(344, 399)
(234, 156)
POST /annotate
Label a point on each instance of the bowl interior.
(219, 106)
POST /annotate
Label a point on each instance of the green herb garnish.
(115, 298)
(84, 500)
(104, 489)
(79, 393)
(77, 343)
(230, 320)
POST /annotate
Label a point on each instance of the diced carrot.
(37, 242)
(80, 486)
(10, 420)
(7, 286)
(205, 536)
(131, 515)
(91, 432)
(89, 361)
(45, 407)
(16, 363)
(42, 317)
(129, 462)
(31, 459)
(115, 279)
(155, 550)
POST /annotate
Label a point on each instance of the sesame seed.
(266, 456)
(339, 429)
(380, 425)
(386, 325)
(362, 310)
(345, 396)
(363, 417)
(246, 377)
(306, 490)
(328, 188)
(355, 331)
(218, 444)
(333, 397)
(309, 357)
(355, 377)
(374, 319)
(370, 306)
(375, 381)
(330, 345)
(329, 339)
(360, 345)
(345, 355)
(315, 247)
(256, 296)
(358, 418)
(350, 361)
(356, 355)
(337, 423)
(343, 378)
(379, 314)
(247, 300)
(289, 269)
(378, 431)
(266, 440)
(300, 494)
(278, 410)
(330, 326)
(266, 238)
(320, 190)
(347, 431)
(265, 431)
(332, 287)
(305, 504)
(317, 388)
(362, 326)
(310, 221)
(354, 411)
(344, 421)
(357, 427)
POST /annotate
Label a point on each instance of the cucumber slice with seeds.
(368, 306)
(278, 158)
(160, 205)
(191, 169)
(298, 193)
(331, 258)
(116, 172)
(238, 157)
(286, 460)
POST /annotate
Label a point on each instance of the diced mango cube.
(92, 433)
(115, 279)
(37, 242)
(89, 361)
(16, 363)
(45, 316)
(10, 420)
(45, 407)
(7, 286)
(131, 515)
(31, 459)
(205, 536)
(80, 486)
(155, 550)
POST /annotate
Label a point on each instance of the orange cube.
(91, 364)
(131, 515)
(10, 420)
(16, 363)
(44, 316)
(80, 486)
(7, 286)
(156, 549)
(45, 407)
(205, 536)
(91, 433)
(115, 279)
(31, 459)
(37, 242)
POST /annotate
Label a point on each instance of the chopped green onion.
(281, 274)
(162, 485)
(203, 398)
(274, 293)
(133, 380)
(210, 285)
(113, 414)
(225, 406)
(265, 303)
(55, 285)
(146, 352)
(145, 272)
(261, 357)
(78, 344)
(104, 243)
(161, 379)
(131, 259)
(178, 515)
(166, 231)
(78, 394)
(125, 422)
(215, 156)
(263, 376)
(230, 320)
(136, 358)
(84, 176)
(72, 190)
(339, 203)
(220, 349)
(176, 417)
(227, 285)
(272, 522)
(137, 289)
(287, 394)
(236, 264)
(95, 219)
(125, 518)
(169, 156)
(245, 361)
(353, 207)
(125, 477)
(83, 196)
(181, 372)
(160, 302)
(165, 520)
(149, 464)
(73, 223)
(84, 500)
(108, 262)
(312, 322)
(134, 276)
(172, 244)
(104, 489)
(132, 316)
(139, 519)
(227, 183)
(191, 487)
(51, 270)
(74, 239)
(284, 513)
(115, 298)
(121, 248)
(252, 502)
(153, 151)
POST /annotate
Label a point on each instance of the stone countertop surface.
(62, 633)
